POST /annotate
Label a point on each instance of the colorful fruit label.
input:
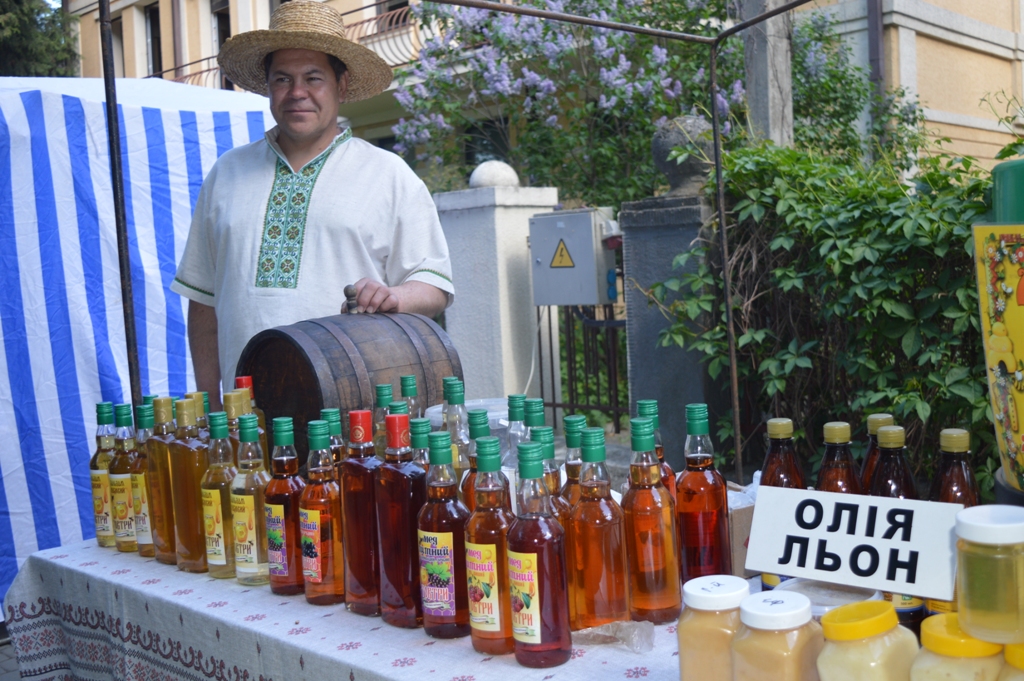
(482, 578)
(243, 512)
(436, 569)
(213, 523)
(309, 523)
(123, 506)
(277, 555)
(101, 503)
(140, 505)
(525, 597)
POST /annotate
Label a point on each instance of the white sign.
(895, 545)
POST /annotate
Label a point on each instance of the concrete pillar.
(493, 321)
(768, 55)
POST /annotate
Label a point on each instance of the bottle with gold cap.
(189, 460)
(233, 409)
(159, 479)
(865, 641)
(954, 483)
(120, 473)
(380, 412)
(948, 653)
(781, 469)
(248, 507)
(99, 467)
(197, 398)
(140, 485)
(838, 471)
(1013, 654)
(261, 418)
(216, 494)
(867, 469)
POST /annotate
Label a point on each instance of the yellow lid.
(162, 410)
(954, 440)
(186, 410)
(780, 429)
(855, 621)
(244, 400)
(942, 634)
(232, 405)
(1014, 655)
(837, 432)
(891, 437)
(197, 399)
(876, 421)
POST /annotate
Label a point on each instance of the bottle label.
(436, 569)
(243, 512)
(482, 577)
(106, 441)
(309, 521)
(124, 507)
(277, 555)
(902, 602)
(213, 522)
(522, 581)
(101, 503)
(140, 502)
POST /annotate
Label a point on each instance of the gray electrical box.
(568, 261)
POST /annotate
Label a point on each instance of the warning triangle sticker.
(562, 257)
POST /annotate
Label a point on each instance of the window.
(116, 38)
(221, 30)
(487, 141)
(153, 50)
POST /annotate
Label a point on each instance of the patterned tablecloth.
(84, 612)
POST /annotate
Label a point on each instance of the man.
(282, 225)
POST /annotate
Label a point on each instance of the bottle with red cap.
(400, 492)
(246, 382)
(359, 517)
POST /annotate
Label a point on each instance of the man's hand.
(412, 296)
(202, 339)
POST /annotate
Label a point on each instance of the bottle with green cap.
(246, 405)
(189, 458)
(419, 429)
(411, 396)
(398, 407)
(478, 427)
(537, 567)
(159, 478)
(838, 472)
(597, 527)
(517, 431)
(216, 493)
(281, 505)
(148, 399)
(702, 505)
(533, 412)
(338, 445)
(867, 469)
(781, 468)
(140, 484)
(573, 426)
(490, 616)
(445, 382)
(458, 429)
(545, 435)
(649, 409)
(441, 538)
(248, 506)
(401, 490)
(380, 437)
(359, 517)
(120, 474)
(650, 530)
(99, 467)
(323, 554)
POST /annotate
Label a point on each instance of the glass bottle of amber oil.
(160, 497)
(573, 427)
(516, 433)
(650, 530)
(140, 485)
(419, 429)
(545, 435)
(537, 570)
(323, 557)
(458, 429)
(281, 498)
(99, 474)
(838, 471)
(478, 427)
(339, 447)
(120, 473)
(189, 459)
(248, 506)
(649, 409)
(441, 534)
(359, 517)
(216, 493)
(380, 411)
(781, 469)
(870, 461)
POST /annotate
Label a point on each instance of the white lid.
(775, 610)
(715, 592)
(992, 524)
(825, 596)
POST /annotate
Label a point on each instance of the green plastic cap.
(649, 409)
(534, 409)
(319, 435)
(488, 454)
(440, 448)
(333, 418)
(384, 395)
(218, 422)
(516, 407)
(123, 415)
(105, 414)
(148, 399)
(531, 460)
(284, 431)
(446, 383)
(573, 425)
(456, 393)
(697, 419)
(249, 428)
(144, 416)
(398, 407)
(592, 445)
(642, 434)
(546, 436)
(408, 385)
(419, 429)
(479, 425)
(206, 402)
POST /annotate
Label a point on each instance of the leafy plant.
(36, 40)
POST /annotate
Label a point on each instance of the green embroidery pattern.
(194, 288)
(434, 272)
(285, 224)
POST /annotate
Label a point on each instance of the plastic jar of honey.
(1014, 668)
(707, 625)
(777, 639)
(865, 642)
(951, 654)
(990, 572)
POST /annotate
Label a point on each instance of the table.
(84, 612)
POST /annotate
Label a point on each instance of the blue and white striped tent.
(61, 317)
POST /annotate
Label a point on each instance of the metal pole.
(117, 183)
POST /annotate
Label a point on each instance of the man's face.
(304, 93)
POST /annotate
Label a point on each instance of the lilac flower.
(606, 103)
(722, 103)
(738, 93)
(698, 77)
(727, 128)
(552, 122)
(404, 98)
(659, 55)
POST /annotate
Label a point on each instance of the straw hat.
(308, 25)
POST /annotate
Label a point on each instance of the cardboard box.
(739, 535)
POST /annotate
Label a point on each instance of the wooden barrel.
(299, 369)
